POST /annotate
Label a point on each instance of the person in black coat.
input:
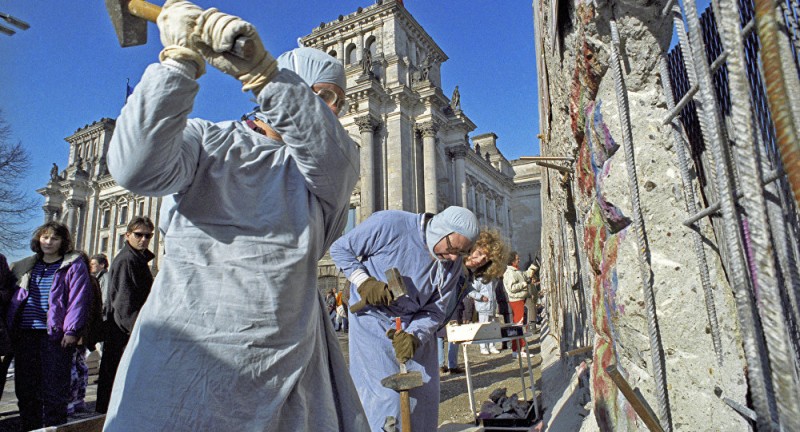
(7, 286)
(502, 305)
(129, 285)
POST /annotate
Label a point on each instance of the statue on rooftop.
(455, 100)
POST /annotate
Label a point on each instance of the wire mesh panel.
(778, 198)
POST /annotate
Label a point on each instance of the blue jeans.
(342, 322)
(452, 354)
(42, 380)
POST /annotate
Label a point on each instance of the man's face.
(96, 267)
(452, 246)
(515, 263)
(139, 238)
(332, 95)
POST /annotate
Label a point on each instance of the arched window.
(372, 46)
(333, 53)
(352, 54)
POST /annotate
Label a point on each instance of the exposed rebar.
(711, 129)
(646, 274)
(691, 208)
(777, 93)
(779, 343)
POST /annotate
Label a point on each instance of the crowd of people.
(57, 306)
(233, 331)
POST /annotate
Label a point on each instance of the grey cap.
(451, 220)
(313, 66)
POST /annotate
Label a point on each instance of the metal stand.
(468, 371)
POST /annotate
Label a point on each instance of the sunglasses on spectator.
(140, 235)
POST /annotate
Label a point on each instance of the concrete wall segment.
(584, 111)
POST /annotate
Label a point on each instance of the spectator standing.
(330, 305)
(7, 287)
(502, 305)
(516, 284)
(130, 280)
(99, 267)
(486, 306)
(47, 314)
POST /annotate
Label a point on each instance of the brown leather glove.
(372, 292)
(405, 344)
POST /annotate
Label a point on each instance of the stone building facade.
(416, 154)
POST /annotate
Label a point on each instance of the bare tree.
(16, 206)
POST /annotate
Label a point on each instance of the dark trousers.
(113, 347)
(42, 378)
(504, 311)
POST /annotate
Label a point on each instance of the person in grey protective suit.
(234, 334)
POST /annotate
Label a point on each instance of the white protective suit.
(234, 336)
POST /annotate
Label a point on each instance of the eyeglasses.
(454, 251)
(139, 235)
(332, 100)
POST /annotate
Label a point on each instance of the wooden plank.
(636, 400)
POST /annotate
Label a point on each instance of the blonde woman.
(485, 263)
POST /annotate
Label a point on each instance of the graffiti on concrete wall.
(604, 230)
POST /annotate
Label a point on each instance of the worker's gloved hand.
(405, 344)
(372, 292)
(176, 24)
(216, 34)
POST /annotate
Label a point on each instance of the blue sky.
(68, 69)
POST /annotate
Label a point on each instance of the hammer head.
(131, 30)
(395, 283)
(403, 381)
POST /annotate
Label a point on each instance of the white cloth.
(235, 335)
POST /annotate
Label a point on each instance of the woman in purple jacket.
(47, 313)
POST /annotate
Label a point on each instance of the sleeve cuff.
(358, 277)
(185, 68)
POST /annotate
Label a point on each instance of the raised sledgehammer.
(130, 22)
(403, 382)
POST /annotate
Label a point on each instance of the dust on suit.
(234, 335)
(396, 239)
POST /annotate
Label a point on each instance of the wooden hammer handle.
(242, 47)
(144, 10)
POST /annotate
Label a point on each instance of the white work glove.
(215, 35)
(176, 23)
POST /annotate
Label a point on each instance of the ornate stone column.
(340, 51)
(428, 131)
(458, 153)
(367, 125)
(73, 207)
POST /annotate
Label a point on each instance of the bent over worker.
(234, 334)
(427, 250)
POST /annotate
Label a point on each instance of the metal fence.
(720, 99)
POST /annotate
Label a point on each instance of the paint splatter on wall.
(604, 230)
